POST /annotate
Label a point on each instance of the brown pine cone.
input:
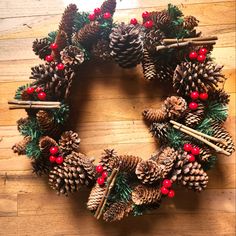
(160, 131)
(205, 154)
(69, 142)
(41, 47)
(108, 159)
(21, 122)
(148, 171)
(108, 6)
(127, 163)
(201, 77)
(163, 19)
(152, 39)
(117, 211)
(219, 96)
(154, 115)
(190, 22)
(142, 194)
(164, 72)
(45, 143)
(20, 147)
(41, 166)
(101, 50)
(95, 196)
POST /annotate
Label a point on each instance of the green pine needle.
(205, 126)
(176, 138)
(20, 90)
(81, 19)
(216, 111)
(210, 163)
(174, 12)
(52, 36)
(33, 150)
(138, 210)
(61, 114)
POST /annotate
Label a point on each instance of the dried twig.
(170, 41)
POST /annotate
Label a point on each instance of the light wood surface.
(107, 105)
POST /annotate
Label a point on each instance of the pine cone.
(148, 171)
(205, 154)
(45, 143)
(69, 142)
(193, 118)
(21, 122)
(95, 196)
(149, 66)
(20, 147)
(109, 157)
(127, 163)
(41, 47)
(126, 45)
(190, 22)
(101, 50)
(160, 131)
(174, 107)
(154, 115)
(202, 77)
(108, 6)
(163, 19)
(76, 170)
(164, 72)
(219, 96)
(72, 56)
(146, 195)
(152, 39)
(117, 211)
(41, 166)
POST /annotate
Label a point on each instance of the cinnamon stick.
(169, 41)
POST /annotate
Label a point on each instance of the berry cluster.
(54, 157)
(192, 151)
(200, 56)
(165, 189)
(103, 175)
(97, 13)
(194, 96)
(148, 24)
(40, 94)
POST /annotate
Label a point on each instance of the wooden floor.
(106, 113)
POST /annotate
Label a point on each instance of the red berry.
(97, 11)
(187, 147)
(166, 183)
(52, 159)
(191, 158)
(195, 150)
(53, 46)
(145, 14)
(100, 181)
(30, 90)
(203, 51)
(193, 105)
(201, 58)
(53, 150)
(164, 190)
(49, 58)
(59, 160)
(134, 21)
(193, 55)
(104, 174)
(148, 24)
(99, 169)
(194, 95)
(60, 66)
(171, 194)
(42, 96)
(38, 90)
(92, 16)
(107, 15)
(203, 96)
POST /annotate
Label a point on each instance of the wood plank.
(8, 205)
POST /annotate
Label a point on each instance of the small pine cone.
(153, 38)
(108, 159)
(142, 194)
(69, 142)
(193, 118)
(45, 143)
(41, 47)
(126, 45)
(127, 163)
(190, 22)
(201, 77)
(160, 131)
(163, 19)
(149, 67)
(25, 96)
(154, 115)
(41, 166)
(219, 96)
(205, 154)
(95, 196)
(20, 147)
(21, 122)
(117, 211)
(148, 171)
(174, 107)
(101, 50)
(108, 6)
(72, 55)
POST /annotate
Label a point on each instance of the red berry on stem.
(193, 105)
(38, 90)
(134, 21)
(97, 11)
(104, 174)
(164, 190)
(30, 90)
(107, 15)
(49, 58)
(53, 46)
(187, 147)
(99, 169)
(148, 24)
(52, 159)
(59, 160)
(203, 96)
(191, 158)
(53, 150)
(145, 14)
(194, 95)
(193, 55)
(201, 58)
(100, 181)
(203, 51)
(195, 150)
(42, 96)
(166, 183)
(171, 194)
(60, 66)
(92, 16)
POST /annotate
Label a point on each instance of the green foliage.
(210, 163)
(205, 126)
(52, 36)
(61, 114)
(81, 19)
(138, 210)
(176, 138)
(33, 150)
(20, 90)
(174, 12)
(216, 111)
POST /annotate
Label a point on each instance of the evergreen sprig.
(216, 111)
(61, 114)
(80, 20)
(205, 126)
(210, 163)
(20, 90)
(32, 149)
(52, 36)
(176, 138)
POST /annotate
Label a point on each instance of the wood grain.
(106, 111)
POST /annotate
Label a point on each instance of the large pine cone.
(108, 6)
(190, 22)
(128, 163)
(109, 157)
(152, 39)
(41, 47)
(154, 115)
(20, 147)
(149, 66)
(160, 131)
(205, 154)
(76, 170)
(219, 96)
(41, 166)
(126, 45)
(101, 50)
(202, 77)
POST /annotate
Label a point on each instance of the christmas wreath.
(188, 126)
